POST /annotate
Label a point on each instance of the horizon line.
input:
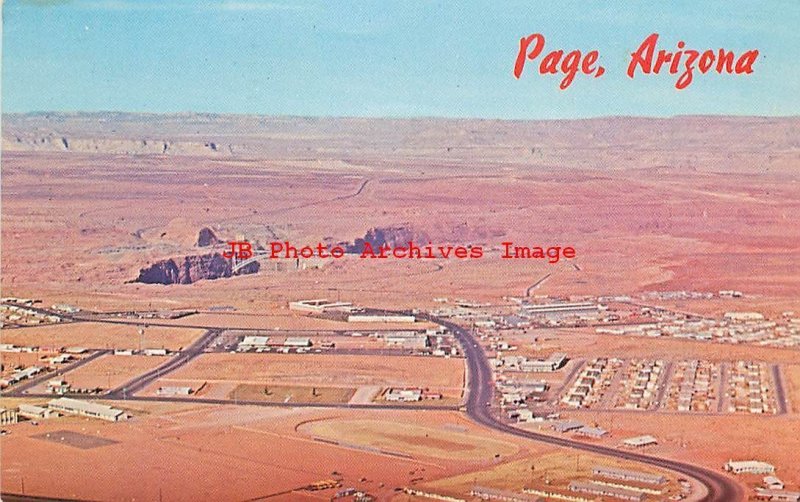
(391, 117)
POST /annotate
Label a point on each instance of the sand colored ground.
(438, 374)
(410, 439)
(101, 336)
(111, 371)
(185, 452)
(553, 471)
(281, 321)
(708, 440)
(285, 394)
(791, 378)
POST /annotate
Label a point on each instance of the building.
(407, 340)
(563, 309)
(320, 306)
(403, 395)
(485, 493)
(777, 495)
(250, 342)
(8, 416)
(592, 432)
(552, 363)
(603, 490)
(628, 475)
(640, 441)
(59, 387)
(294, 341)
(743, 316)
(773, 483)
(20, 375)
(567, 426)
(381, 318)
(155, 352)
(174, 391)
(32, 411)
(87, 409)
(749, 467)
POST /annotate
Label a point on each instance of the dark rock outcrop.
(392, 236)
(206, 238)
(191, 269)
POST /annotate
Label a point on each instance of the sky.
(386, 58)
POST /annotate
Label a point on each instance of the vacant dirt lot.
(436, 373)
(101, 336)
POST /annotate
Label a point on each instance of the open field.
(409, 439)
(697, 439)
(101, 336)
(551, 471)
(109, 371)
(165, 441)
(437, 374)
(284, 394)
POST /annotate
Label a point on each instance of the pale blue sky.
(384, 58)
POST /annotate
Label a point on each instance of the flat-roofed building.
(485, 493)
(381, 318)
(777, 495)
(773, 483)
(640, 441)
(403, 395)
(87, 409)
(294, 341)
(567, 426)
(33, 412)
(552, 363)
(174, 391)
(406, 339)
(749, 467)
(319, 306)
(628, 475)
(603, 490)
(563, 309)
(251, 342)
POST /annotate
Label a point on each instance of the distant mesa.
(206, 238)
(191, 269)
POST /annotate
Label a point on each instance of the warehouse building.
(86, 409)
(559, 310)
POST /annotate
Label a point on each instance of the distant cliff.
(191, 269)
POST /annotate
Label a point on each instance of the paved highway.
(720, 487)
(183, 357)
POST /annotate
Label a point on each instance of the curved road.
(480, 387)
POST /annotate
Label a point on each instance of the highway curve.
(480, 389)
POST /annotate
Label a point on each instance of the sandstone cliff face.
(191, 269)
